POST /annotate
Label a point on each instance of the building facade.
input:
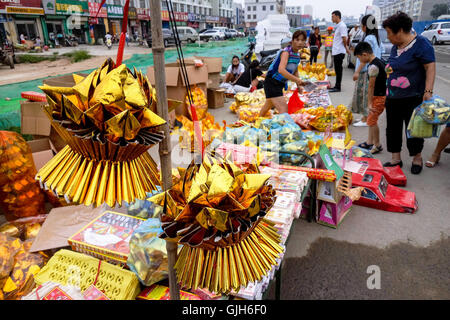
(308, 10)
(238, 18)
(418, 10)
(49, 18)
(257, 10)
(294, 10)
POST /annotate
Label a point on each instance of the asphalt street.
(410, 250)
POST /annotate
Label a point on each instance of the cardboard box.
(216, 98)
(331, 214)
(214, 66)
(42, 151)
(33, 119)
(214, 80)
(327, 191)
(62, 81)
(176, 86)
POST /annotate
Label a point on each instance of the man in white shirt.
(340, 48)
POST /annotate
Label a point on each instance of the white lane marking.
(443, 79)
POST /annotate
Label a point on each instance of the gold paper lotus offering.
(216, 211)
(108, 121)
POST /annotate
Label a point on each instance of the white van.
(187, 34)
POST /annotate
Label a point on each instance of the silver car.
(187, 34)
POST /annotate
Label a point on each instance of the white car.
(212, 34)
(438, 32)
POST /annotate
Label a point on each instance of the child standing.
(329, 47)
(376, 93)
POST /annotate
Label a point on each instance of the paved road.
(442, 53)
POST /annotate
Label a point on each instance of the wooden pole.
(164, 146)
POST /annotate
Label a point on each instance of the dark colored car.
(386, 44)
(169, 38)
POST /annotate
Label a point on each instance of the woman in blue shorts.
(282, 69)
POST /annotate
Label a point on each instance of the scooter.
(246, 57)
(267, 57)
(109, 43)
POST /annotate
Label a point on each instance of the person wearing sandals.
(443, 142)
(360, 95)
(376, 94)
(411, 74)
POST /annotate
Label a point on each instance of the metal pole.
(164, 146)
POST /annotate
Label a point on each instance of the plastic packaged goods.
(115, 282)
(148, 256)
(54, 291)
(199, 101)
(20, 195)
(335, 117)
(21, 278)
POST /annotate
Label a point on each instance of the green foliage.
(77, 55)
(440, 9)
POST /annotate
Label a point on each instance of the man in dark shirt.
(249, 77)
(376, 94)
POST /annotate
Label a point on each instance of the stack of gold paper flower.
(108, 122)
(215, 210)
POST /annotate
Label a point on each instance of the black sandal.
(364, 145)
(416, 169)
(390, 164)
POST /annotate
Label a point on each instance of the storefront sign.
(21, 6)
(181, 16)
(24, 10)
(212, 19)
(93, 9)
(49, 6)
(114, 11)
(69, 7)
(93, 20)
(225, 20)
(165, 15)
(143, 14)
(132, 13)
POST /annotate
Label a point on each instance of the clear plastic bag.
(434, 111)
(20, 195)
(419, 128)
(148, 255)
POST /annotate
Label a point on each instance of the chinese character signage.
(132, 14)
(49, 6)
(69, 7)
(143, 14)
(165, 15)
(93, 9)
(21, 6)
(114, 11)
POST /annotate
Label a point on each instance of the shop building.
(98, 22)
(22, 17)
(115, 16)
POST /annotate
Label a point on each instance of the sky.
(324, 9)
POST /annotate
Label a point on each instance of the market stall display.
(108, 122)
(224, 248)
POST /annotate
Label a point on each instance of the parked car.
(227, 35)
(232, 33)
(212, 35)
(169, 38)
(187, 34)
(438, 32)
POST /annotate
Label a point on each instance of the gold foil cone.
(228, 268)
(88, 181)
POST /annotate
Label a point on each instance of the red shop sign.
(143, 14)
(93, 9)
(93, 20)
(165, 15)
(20, 3)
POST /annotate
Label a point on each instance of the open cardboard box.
(176, 86)
(216, 98)
(214, 66)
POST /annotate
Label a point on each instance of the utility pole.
(164, 146)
